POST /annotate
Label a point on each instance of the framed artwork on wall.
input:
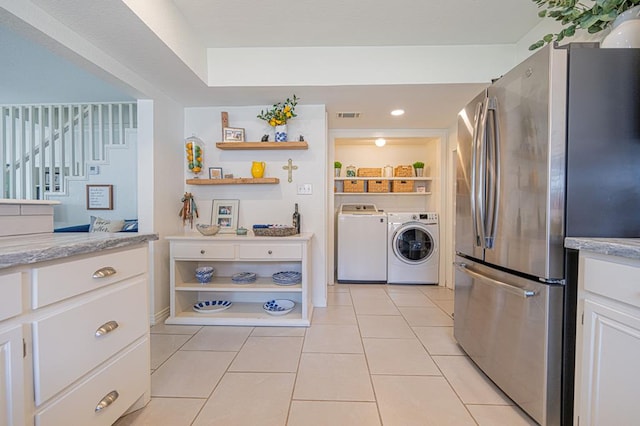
(225, 214)
(215, 172)
(99, 197)
(232, 134)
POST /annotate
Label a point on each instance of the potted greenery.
(419, 166)
(574, 15)
(336, 168)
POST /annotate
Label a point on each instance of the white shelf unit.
(230, 254)
(339, 185)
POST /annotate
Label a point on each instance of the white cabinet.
(608, 341)
(11, 376)
(74, 339)
(230, 254)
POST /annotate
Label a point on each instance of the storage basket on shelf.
(370, 172)
(354, 185)
(402, 186)
(278, 231)
(403, 171)
(378, 186)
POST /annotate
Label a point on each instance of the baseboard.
(159, 317)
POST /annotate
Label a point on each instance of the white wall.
(160, 187)
(119, 170)
(261, 204)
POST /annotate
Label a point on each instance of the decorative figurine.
(301, 139)
(188, 210)
(265, 138)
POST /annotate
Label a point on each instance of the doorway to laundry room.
(383, 175)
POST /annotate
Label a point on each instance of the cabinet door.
(11, 377)
(610, 373)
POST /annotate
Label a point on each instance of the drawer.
(615, 280)
(67, 279)
(202, 251)
(66, 344)
(11, 291)
(270, 251)
(127, 374)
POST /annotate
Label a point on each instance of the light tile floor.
(376, 355)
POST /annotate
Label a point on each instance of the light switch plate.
(305, 189)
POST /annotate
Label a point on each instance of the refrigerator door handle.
(481, 173)
(493, 173)
(475, 156)
(504, 286)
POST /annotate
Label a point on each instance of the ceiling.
(112, 27)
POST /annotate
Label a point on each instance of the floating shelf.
(235, 181)
(261, 145)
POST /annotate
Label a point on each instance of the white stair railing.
(42, 146)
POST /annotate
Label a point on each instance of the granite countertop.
(623, 247)
(27, 249)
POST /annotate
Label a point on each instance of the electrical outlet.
(305, 189)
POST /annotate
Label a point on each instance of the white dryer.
(413, 250)
(362, 244)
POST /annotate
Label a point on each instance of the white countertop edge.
(621, 247)
(195, 236)
(30, 202)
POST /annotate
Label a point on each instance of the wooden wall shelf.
(235, 181)
(261, 145)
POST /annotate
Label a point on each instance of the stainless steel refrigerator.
(549, 150)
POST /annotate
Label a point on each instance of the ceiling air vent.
(348, 115)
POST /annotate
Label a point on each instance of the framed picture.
(99, 197)
(232, 134)
(225, 214)
(215, 172)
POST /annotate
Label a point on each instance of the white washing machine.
(362, 244)
(413, 248)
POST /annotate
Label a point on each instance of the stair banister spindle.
(120, 124)
(32, 153)
(101, 137)
(109, 124)
(11, 152)
(41, 150)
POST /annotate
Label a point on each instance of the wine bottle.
(296, 219)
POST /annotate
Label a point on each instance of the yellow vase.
(257, 169)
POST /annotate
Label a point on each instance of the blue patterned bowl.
(204, 274)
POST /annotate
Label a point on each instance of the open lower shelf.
(234, 181)
(425, 178)
(261, 145)
(225, 284)
(241, 313)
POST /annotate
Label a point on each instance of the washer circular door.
(413, 243)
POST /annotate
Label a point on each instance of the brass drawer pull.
(105, 272)
(109, 399)
(106, 328)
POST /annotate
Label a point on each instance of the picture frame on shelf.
(232, 134)
(224, 213)
(215, 173)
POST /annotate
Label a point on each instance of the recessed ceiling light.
(397, 112)
(380, 142)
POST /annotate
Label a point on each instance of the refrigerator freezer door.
(468, 241)
(508, 326)
(529, 104)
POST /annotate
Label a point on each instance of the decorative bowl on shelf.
(279, 306)
(204, 274)
(207, 230)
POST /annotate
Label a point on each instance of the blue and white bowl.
(279, 306)
(204, 274)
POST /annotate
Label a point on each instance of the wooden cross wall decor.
(290, 168)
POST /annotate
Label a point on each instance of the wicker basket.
(275, 232)
(402, 186)
(354, 185)
(369, 172)
(403, 171)
(378, 186)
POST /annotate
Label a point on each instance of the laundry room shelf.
(261, 145)
(383, 193)
(383, 178)
(235, 181)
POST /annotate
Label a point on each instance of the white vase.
(281, 133)
(625, 30)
